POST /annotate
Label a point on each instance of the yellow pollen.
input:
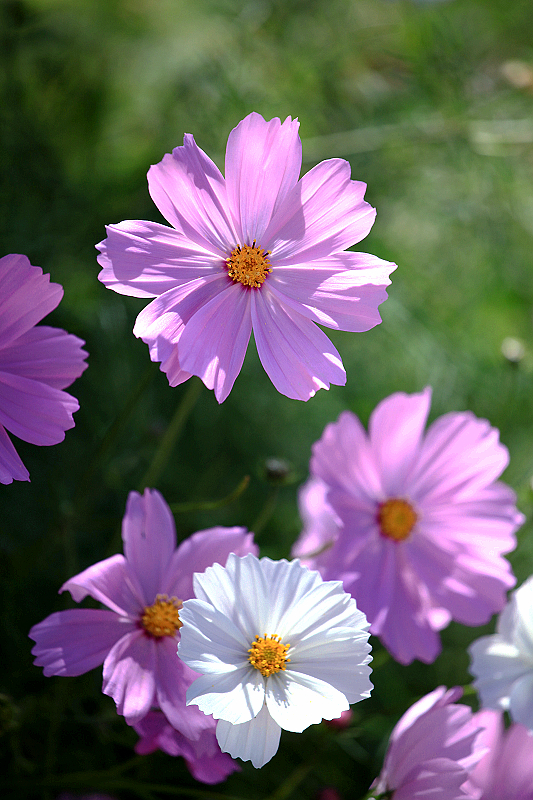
(268, 655)
(162, 618)
(249, 265)
(396, 519)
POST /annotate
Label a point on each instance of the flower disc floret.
(162, 617)
(268, 654)
(396, 518)
(249, 265)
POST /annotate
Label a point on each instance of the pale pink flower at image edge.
(36, 364)
(505, 772)
(432, 750)
(414, 523)
(259, 249)
(141, 668)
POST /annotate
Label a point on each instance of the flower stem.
(266, 512)
(210, 505)
(171, 435)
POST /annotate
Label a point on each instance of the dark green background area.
(432, 105)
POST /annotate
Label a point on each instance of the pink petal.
(129, 675)
(48, 355)
(333, 460)
(149, 536)
(321, 525)
(201, 550)
(263, 162)
(298, 358)
(162, 322)
(173, 678)
(77, 640)
(112, 583)
(26, 296)
(323, 214)
(393, 598)
(145, 259)
(190, 192)
(460, 455)
(341, 292)
(33, 411)
(214, 342)
(396, 428)
(436, 779)
(11, 467)
(214, 767)
(443, 732)
(203, 756)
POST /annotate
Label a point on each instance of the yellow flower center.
(396, 519)
(268, 655)
(249, 265)
(162, 618)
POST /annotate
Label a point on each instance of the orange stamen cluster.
(162, 618)
(249, 265)
(396, 519)
(268, 655)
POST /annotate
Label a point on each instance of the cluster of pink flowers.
(405, 529)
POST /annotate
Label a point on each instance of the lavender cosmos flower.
(136, 639)
(420, 521)
(505, 772)
(503, 663)
(431, 751)
(204, 758)
(36, 364)
(259, 249)
(277, 647)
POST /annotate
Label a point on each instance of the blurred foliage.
(431, 103)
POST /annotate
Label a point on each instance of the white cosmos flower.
(277, 647)
(503, 663)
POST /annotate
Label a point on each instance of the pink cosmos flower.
(136, 639)
(204, 758)
(36, 364)
(257, 250)
(506, 771)
(420, 521)
(432, 750)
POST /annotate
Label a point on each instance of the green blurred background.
(431, 102)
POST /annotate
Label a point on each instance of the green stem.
(266, 512)
(210, 505)
(290, 783)
(171, 435)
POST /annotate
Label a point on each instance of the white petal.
(340, 660)
(235, 697)
(521, 701)
(256, 741)
(523, 631)
(324, 607)
(210, 642)
(296, 701)
(238, 590)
